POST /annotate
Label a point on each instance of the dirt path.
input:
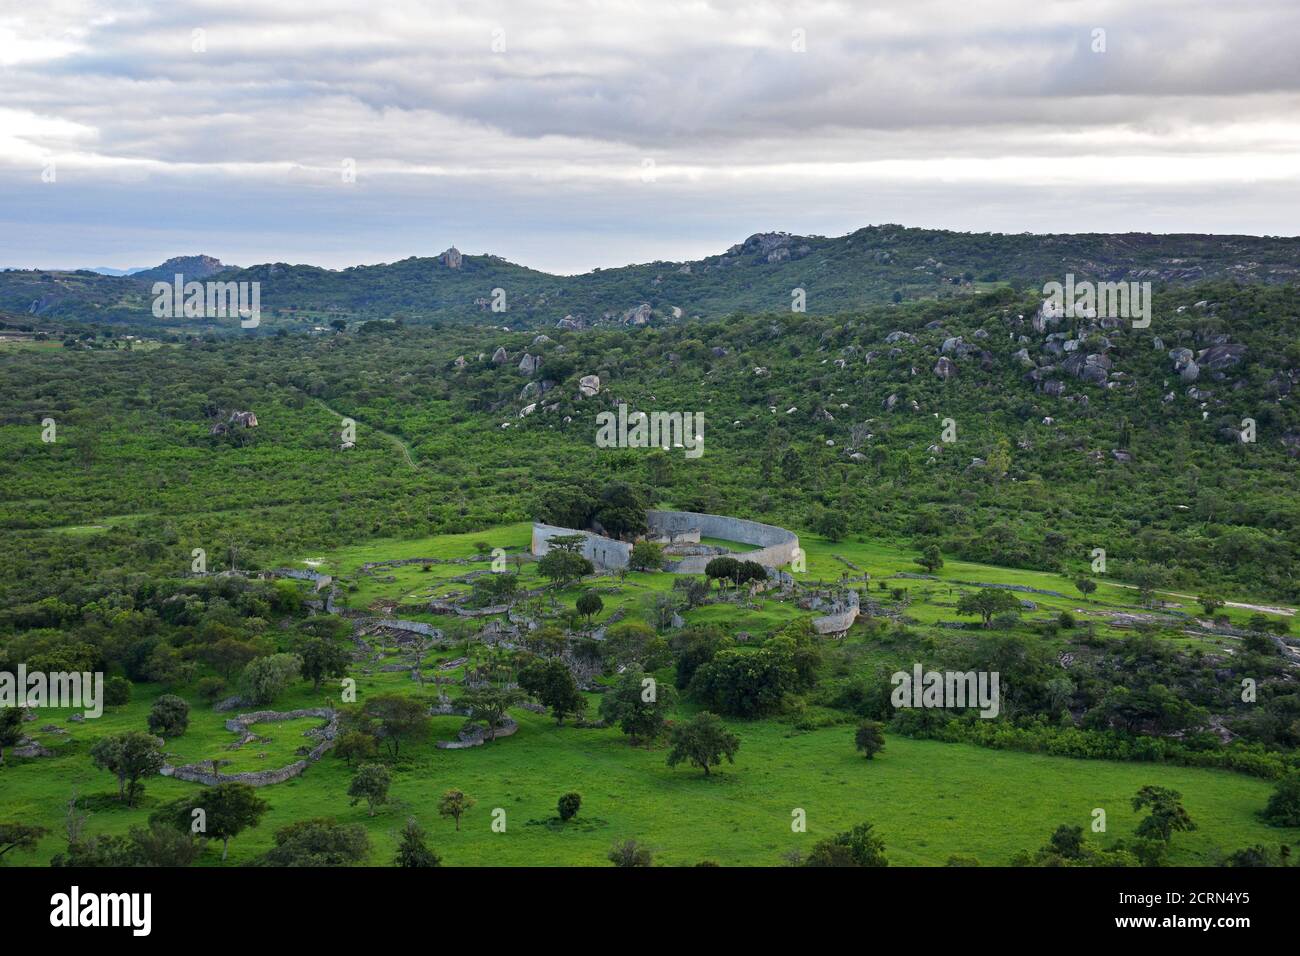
(387, 436)
(1262, 608)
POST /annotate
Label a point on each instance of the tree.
(228, 655)
(703, 741)
(117, 691)
(161, 845)
(1147, 580)
(630, 853)
(20, 836)
(636, 707)
(1086, 586)
(316, 843)
(552, 683)
(370, 783)
(454, 804)
(228, 810)
(1210, 603)
(488, 705)
(568, 805)
(356, 745)
(622, 510)
(169, 716)
(1283, 808)
(265, 678)
(130, 757)
(748, 683)
(11, 728)
(563, 567)
(411, 849)
(632, 642)
(646, 556)
(1167, 813)
(987, 602)
(323, 658)
(931, 559)
(870, 738)
(1066, 842)
(721, 569)
(589, 604)
(858, 847)
(747, 571)
(400, 717)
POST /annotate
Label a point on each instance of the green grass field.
(928, 800)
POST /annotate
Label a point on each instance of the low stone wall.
(203, 773)
(473, 737)
(775, 546)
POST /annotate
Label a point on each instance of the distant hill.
(110, 271)
(874, 265)
(194, 268)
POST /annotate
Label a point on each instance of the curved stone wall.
(203, 772)
(775, 546)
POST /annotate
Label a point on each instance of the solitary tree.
(870, 738)
(703, 741)
(130, 757)
(453, 804)
(987, 602)
(411, 850)
(370, 784)
(1086, 586)
(552, 683)
(227, 810)
(1210, 603)
(589, 604)
(637, 704)
(1167, 813)
(931, 559)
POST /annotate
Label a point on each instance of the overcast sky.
(566, 135)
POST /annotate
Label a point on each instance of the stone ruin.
(206, 771)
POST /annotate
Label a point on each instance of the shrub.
(568, 805)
